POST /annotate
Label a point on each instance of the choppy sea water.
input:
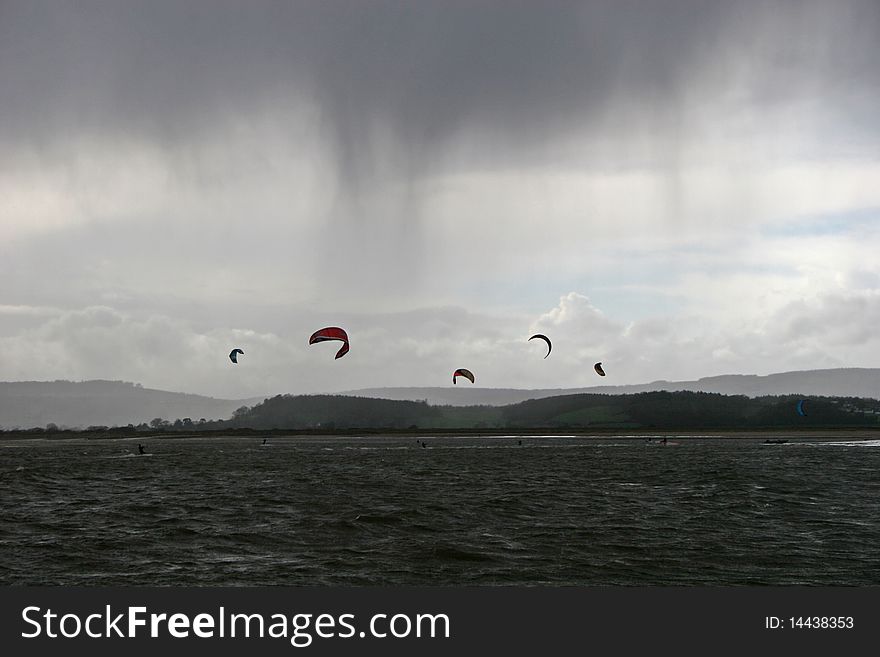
(459, 511)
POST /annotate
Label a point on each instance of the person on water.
(141, 449)
(264, 440)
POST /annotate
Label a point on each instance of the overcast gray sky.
(676, 188)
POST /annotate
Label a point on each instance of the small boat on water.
(778, 441)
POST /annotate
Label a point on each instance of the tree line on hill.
(650, 410)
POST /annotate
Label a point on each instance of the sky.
(675, 188)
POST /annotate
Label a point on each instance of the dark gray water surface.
(462, 511)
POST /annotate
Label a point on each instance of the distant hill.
(848, 382)
(647, 410)
(78, 404)
(82, 404)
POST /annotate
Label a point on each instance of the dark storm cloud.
(409, 76)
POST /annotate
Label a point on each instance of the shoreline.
(851, 433)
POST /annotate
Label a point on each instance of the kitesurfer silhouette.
(141, 449)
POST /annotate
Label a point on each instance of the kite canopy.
(800, 408)
(233, 355)
(463, 372)
(599, 370)
(332, 333)
(545, 339)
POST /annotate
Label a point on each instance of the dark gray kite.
(545, 339)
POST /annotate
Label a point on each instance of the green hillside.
(664, 411)
(651, 410)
